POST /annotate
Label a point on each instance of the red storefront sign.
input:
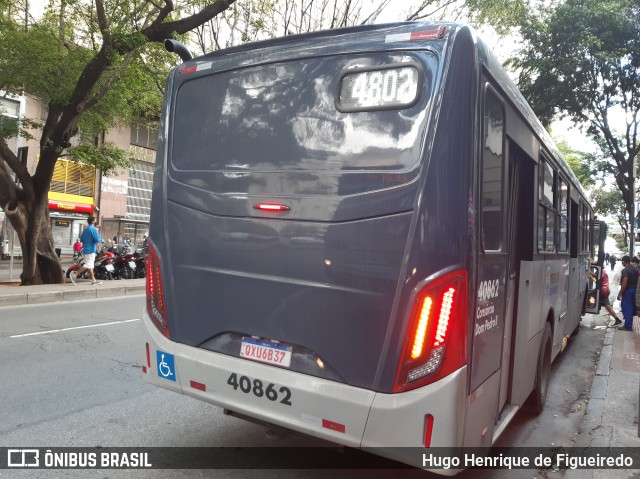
(68, 206)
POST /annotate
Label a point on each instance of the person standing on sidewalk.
(90, 238)
(627, 294)
(77, 248)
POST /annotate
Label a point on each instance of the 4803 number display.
(258, 388)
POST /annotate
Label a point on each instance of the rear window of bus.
(338, 113)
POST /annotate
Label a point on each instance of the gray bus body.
(385, 197)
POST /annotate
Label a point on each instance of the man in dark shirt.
(627, 294)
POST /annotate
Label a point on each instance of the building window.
(140, 184)
(145, 136)
(73, 178)
(10, 109)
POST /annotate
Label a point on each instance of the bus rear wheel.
(543, 371)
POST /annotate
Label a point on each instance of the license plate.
(109, 267)
(132, 265)
(266, 352)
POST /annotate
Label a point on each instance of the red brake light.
(156, 306)
(435, 342)
(272, 207)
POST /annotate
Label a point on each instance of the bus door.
(597, 236)
(489, 315)
(519, 221)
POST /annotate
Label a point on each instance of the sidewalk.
(611, 418)
(11, 294)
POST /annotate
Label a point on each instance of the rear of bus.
(310, 230)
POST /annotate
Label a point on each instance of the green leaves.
(581, 164)
(576, 58)
(581, 60)
(503, 15)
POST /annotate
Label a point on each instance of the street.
(78, 384)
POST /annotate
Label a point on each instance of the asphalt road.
(77, 382)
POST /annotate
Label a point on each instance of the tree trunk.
(40, 263)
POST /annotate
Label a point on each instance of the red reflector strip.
(144, 369)
(187, 70)
(148, 357)
(426, 35)
(334, 426)
(196, 68)
(428, 429)
(413, 36)
(271, 207)
(198, 386)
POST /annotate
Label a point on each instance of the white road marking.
(76, 327)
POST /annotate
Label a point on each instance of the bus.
(365, 236)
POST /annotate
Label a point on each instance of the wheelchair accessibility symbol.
(166, 365)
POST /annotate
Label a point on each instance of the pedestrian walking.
(90, 238)
(627, 294)
(612, 261)
(606, 258)
(605, 291)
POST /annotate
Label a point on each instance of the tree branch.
(158, 31)
(103, 24)
(11, 161)
(104, 88)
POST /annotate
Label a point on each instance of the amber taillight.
(156, 306)
(435, 342)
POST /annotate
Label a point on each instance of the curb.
(42, 297)
(591, 436)
(591, 432)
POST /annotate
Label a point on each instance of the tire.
(576, 330)
(543, 371)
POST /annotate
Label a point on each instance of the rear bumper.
(328, 410)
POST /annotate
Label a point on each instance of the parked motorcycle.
(125, 265)
(139, 256)
(104, 268)
(77, 262)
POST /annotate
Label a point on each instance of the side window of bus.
(584, 227)
(553, 208)
(563, 210)
(492, 171)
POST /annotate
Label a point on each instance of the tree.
(252, 20)
(581, 59)
(91, 62)
(581, 163)
(609, 203)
